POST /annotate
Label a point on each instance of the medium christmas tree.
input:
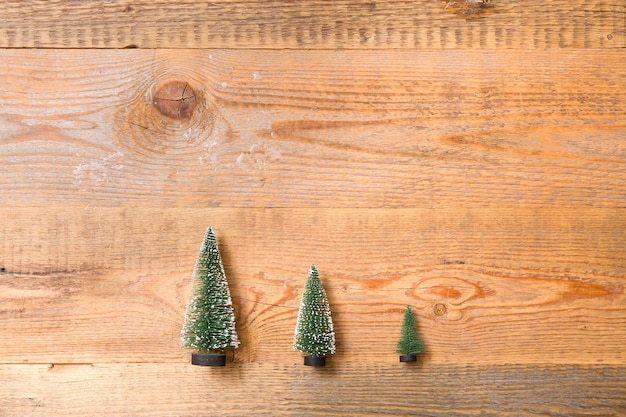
(410, 343)
(314, 329)
(209, 318)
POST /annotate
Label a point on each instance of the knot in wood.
(175, 99)
(440, 309)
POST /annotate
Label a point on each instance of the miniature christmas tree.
(314, 329)
(410, 343)
(209, 318)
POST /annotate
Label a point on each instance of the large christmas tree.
(209, 319)
(314, 329)
(410, 343)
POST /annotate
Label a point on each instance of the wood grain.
(464, 157)
(289, 389)
(487, 285)
(438, 24)
(314, 129)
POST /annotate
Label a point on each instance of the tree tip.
(209, 232)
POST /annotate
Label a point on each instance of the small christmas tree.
(209, 318)
(314, 329)
(410, 343)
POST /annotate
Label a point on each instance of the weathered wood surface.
(487, 285)
(160, 390)
(464, 157)
(439, 24)
(314, 129)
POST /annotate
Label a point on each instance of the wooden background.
(467, 159)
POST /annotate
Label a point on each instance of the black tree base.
(408, 358)
(315, 360)
(208, 359)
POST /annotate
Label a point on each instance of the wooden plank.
(315, 24)
(366, 389)
(313, 128)
(487, 285)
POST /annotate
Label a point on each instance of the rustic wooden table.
(466, 158)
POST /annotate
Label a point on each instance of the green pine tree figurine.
(314, 329)
(410, 343)
(209, 318)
